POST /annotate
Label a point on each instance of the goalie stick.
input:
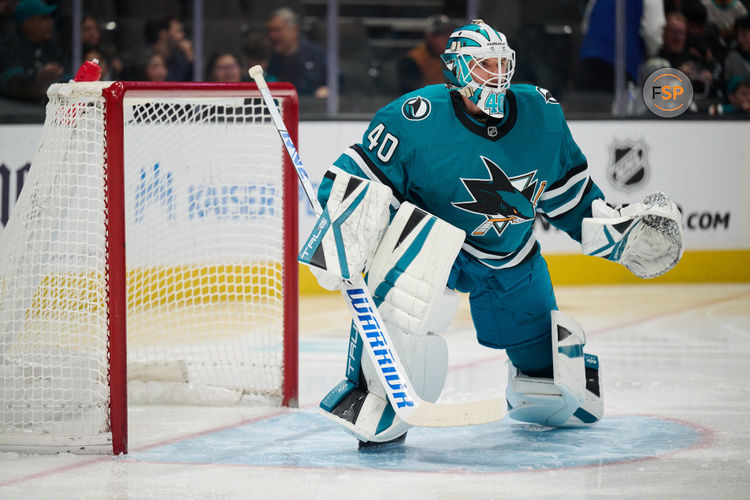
(367, 320)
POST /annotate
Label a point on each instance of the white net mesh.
(204, 247)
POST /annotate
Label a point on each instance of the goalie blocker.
(408, 276)
(347, 232)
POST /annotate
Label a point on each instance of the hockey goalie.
(440, 197)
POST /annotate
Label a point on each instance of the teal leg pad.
(386, 420)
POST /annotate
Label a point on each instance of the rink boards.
(700, 164)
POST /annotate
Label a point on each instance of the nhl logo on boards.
(416, 108)
(628, 164)
(492, 131)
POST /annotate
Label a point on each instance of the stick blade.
(457, 414)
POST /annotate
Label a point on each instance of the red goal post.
(156, 234)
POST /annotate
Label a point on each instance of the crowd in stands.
(709, 40)
(31, 58)
(422, 65)
(33, 53)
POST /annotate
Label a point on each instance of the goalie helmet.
(479, 63)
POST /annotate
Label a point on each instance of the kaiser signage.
(11, 183)
(17, 146)
(700, 165)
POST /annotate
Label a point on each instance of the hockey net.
(192, 182)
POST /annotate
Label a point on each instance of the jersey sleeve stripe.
(573, 172)
(567, 207)
(572, 181)
(372, 171)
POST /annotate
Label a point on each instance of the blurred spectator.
(94, 45)
(422, 65)
(256, 51)
(675, 50)
(703, 41)
(701, 78)
(7, 24)
(31, 61)
(223, 67)
(737, 62)
(167, 37)
(738, 95)
(738, 99)
(644, 24)
(723, 14)
(294, 59)
(672, 6)
(152, 67)
(91, 34)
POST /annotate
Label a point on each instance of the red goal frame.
(114, 96)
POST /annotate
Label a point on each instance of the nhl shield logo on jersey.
(502, 200)
(628, 164)
(416, 108)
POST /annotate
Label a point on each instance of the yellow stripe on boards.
(188, 285)
(150, 287)
(699, 266)
(708, 266)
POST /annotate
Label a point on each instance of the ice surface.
(677, 421)
(307, 439)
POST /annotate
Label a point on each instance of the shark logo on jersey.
(501, 199)
(547, 96)
(416, 108)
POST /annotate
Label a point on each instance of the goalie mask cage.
(189, 184)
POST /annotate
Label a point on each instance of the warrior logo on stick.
(502, 200)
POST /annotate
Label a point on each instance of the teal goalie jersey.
(488, 178)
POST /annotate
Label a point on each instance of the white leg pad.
(408, 276)
(425, 359)
(441, 317)
(573, 396)
(411, 267)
